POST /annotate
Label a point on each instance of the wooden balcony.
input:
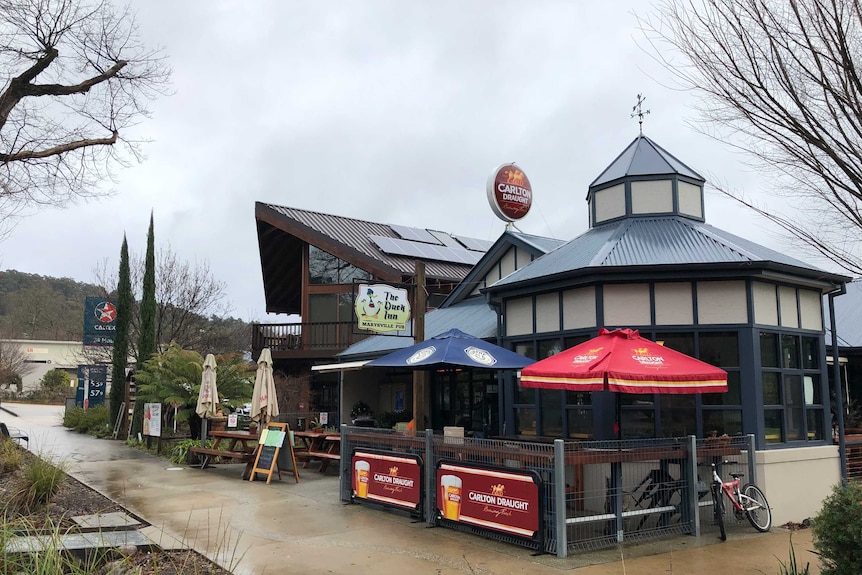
(304, 340)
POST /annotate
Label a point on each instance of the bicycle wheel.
(718, 510)
(757, 508)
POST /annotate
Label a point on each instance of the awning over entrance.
(345, 366)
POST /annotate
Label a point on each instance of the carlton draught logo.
(509, 193)
(643, 357)
(591, 355)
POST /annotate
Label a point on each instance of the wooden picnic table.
(323, 446)
(241, 448)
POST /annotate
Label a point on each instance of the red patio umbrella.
(622, 360)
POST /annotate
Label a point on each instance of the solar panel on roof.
(475, 244)
(414, 234)
(398, 247)
(446, 239)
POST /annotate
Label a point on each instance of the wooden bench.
(322, 455)
(239, 456)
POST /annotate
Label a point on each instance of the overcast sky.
(395, 112)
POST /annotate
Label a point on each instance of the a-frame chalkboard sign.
(269, 446)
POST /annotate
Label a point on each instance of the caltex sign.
(100, 321)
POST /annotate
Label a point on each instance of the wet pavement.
(285, 527)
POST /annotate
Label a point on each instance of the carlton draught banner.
(496, 499)
(389, 478)
(100, 321)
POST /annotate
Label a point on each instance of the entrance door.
(467, 399)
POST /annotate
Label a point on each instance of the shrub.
(838, 531)
(39, 482)
(11, 456)
(95, 420)
(180, 450)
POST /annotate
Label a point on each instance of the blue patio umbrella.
(450, 349)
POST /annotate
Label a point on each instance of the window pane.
(549, 347)
(552, 412)
(769, 350)
(524, 394)
(733, 395)
(811, 353)
(793, 399)
(772, 425)
(322, 307)
(678, 415)
(580, 423)
(771, 389)
(722, 421)
(790, 351)
(683, 342)
(574, 340)
(525, 421)
(579, 398)
(720, 349)
(325, 268)
(635, 398)
(815, 424)
(811, 389)
(637, 423)
(526, 349)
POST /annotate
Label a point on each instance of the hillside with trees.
(43, 307)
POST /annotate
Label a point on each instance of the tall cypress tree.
(147, 333)
(125, 302)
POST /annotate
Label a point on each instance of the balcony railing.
(333, 336)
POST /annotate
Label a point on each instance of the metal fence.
(594, 494)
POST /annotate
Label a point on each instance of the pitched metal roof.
(473, 316)
(643, 157)
(848, 317)
(534, 245)
(653, 241)
(355, 234)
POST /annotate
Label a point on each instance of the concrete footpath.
(287, 527)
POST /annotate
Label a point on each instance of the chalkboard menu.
(271, 440)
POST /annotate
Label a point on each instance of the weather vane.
(637, 110)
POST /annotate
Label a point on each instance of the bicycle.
(748, 501)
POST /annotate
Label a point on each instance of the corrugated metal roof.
(650, 241)
(355, 233)
(541, 243)
(643, 157)
(473, 316)
(848, 317)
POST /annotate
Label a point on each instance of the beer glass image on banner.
(362, 473)
(450, 494)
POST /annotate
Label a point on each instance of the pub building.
(648, 262)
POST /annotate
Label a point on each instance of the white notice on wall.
(324, 418)
(231, 420)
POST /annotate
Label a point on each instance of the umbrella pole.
(203, 431)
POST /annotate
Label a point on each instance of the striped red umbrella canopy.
(623, 361)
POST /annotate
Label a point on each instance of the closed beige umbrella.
(208, 395)
(264, 402)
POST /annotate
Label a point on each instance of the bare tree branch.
(74, 75)
(779, 80)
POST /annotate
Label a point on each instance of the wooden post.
(420, 379)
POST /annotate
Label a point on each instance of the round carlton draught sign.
(509, 193)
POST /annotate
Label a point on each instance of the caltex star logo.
(106, 312)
